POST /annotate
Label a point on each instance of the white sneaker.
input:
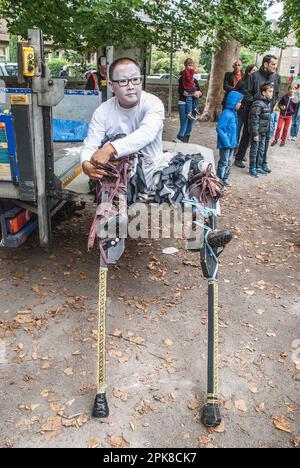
(293, 138)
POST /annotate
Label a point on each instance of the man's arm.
(228, 82)
(93, 141)
(249, 90)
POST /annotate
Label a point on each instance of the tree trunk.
(222, 62)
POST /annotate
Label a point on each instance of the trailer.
(41, 131)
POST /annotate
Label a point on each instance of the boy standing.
(227, 130)
(259, 122)
(188, 75)
(287, 108)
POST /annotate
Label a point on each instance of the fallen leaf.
(241, 406)
(69, 371)
(203, 441)
(123, 360)
(47, 365)
(260, 311)
(132, 425)
(220, 429)
(250, 293)
(34, 406)
(53, 424)
(118, 333)
(117, 393)
(193, 405)
(138, 340)
(93, 444)
(282, 424)
(270, 333)
(21, 319)
(168, 343)
(82, 420)
(254, 390)
(118, 442)
(83, 276)
(260, 408)
(296, 442)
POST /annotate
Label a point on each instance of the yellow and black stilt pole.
(211, 411)
(101, 409)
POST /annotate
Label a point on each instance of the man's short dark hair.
(122, 61)
(265, 86)
(267, 59)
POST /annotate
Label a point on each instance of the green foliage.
(244, 21)
(160, 61)
(206, 59)
(13, 48)
(56, 65)
(83, 25)
(290, 22)
(247, 57)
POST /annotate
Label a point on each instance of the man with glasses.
(131, 112)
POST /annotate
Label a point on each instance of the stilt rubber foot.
(100, 410)
(211, 415)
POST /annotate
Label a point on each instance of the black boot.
(180, 138)
(187, 138)
(220, 238)
(239, 164)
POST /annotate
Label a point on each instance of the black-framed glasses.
(137, 80)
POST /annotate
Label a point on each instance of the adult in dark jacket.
(266, 74)
(259, 122)
(232, 78)
(186, 124)
(243, 111)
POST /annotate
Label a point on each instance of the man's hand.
(92, 171)
(103, 156)
(256, 138)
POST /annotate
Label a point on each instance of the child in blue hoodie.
(227, 130)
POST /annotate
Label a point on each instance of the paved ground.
(157, 326)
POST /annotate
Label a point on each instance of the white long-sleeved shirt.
(142, 125)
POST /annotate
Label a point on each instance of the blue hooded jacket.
(227, 127)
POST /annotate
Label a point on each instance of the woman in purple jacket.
(287, 108)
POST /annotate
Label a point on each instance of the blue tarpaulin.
(69, 130)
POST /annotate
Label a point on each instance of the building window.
(2, 54)
(295, 52)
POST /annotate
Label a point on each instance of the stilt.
(211, 411)
(101, 409)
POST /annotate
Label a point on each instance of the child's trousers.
(257, 150)
(284, 122)
(225, 164)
